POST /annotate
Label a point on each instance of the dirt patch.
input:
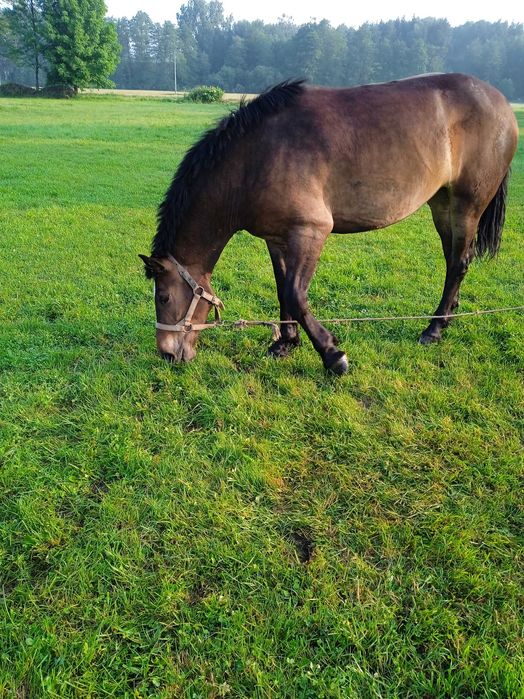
(304, 546)
(197, 593)
(98, 488)
(365, 402)
(22, 692)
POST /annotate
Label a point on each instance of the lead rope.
(275, 324)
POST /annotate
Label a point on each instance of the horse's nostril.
(168, 357)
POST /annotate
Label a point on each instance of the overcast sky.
(352, 14)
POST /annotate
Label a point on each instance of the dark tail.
(491, 222)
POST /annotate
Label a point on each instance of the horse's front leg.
(289, 331)
(303, 250)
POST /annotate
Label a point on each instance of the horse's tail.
(491, 222)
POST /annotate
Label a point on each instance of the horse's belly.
(359, 221)
(368, 206)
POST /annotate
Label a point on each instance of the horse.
(300, 162)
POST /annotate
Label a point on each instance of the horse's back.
(373, 154)
(422, 112)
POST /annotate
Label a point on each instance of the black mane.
(209, 151)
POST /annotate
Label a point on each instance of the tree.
(123, 75)
(305, 52)
(22, 34)
(165, 56)
(82, 47)
(205, 34)
(142, 38)
(363, 55)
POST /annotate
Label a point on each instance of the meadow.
(240, 526)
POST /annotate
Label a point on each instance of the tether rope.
(275, 324)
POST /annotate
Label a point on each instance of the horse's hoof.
(279, 349)
(428, 339)
(340, 365)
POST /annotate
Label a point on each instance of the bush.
(16, 90)
(205, 93)
(58, 91)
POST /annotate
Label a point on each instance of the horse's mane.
(209, 151)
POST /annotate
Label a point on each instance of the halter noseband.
(185, 325)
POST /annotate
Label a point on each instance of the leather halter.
(185, 325)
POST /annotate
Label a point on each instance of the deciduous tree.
(82, 46)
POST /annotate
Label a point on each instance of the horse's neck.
(210, 223)
(200, 242)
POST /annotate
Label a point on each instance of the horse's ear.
(152, 265)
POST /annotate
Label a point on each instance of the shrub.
(16, 90)
(205, 93)
(59, 91)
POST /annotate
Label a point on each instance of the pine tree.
(82, 47)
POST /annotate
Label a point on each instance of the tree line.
(247, 56)
(68, 41)
(205, 46)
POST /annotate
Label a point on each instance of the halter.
(185, 325)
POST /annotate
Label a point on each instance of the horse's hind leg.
(456, 223)
(289, 331)
(303, 250)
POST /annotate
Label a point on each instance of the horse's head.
(182, 306)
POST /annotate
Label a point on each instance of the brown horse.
(300, 162)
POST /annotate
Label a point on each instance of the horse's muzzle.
(177, 352)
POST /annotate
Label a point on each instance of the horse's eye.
(163, 299)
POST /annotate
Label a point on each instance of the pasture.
(240, 526)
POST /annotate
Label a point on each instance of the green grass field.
(242, 527)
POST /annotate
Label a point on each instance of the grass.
(241, 527)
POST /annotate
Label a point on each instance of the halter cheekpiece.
(185, 325)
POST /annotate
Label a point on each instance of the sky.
(337, 11)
